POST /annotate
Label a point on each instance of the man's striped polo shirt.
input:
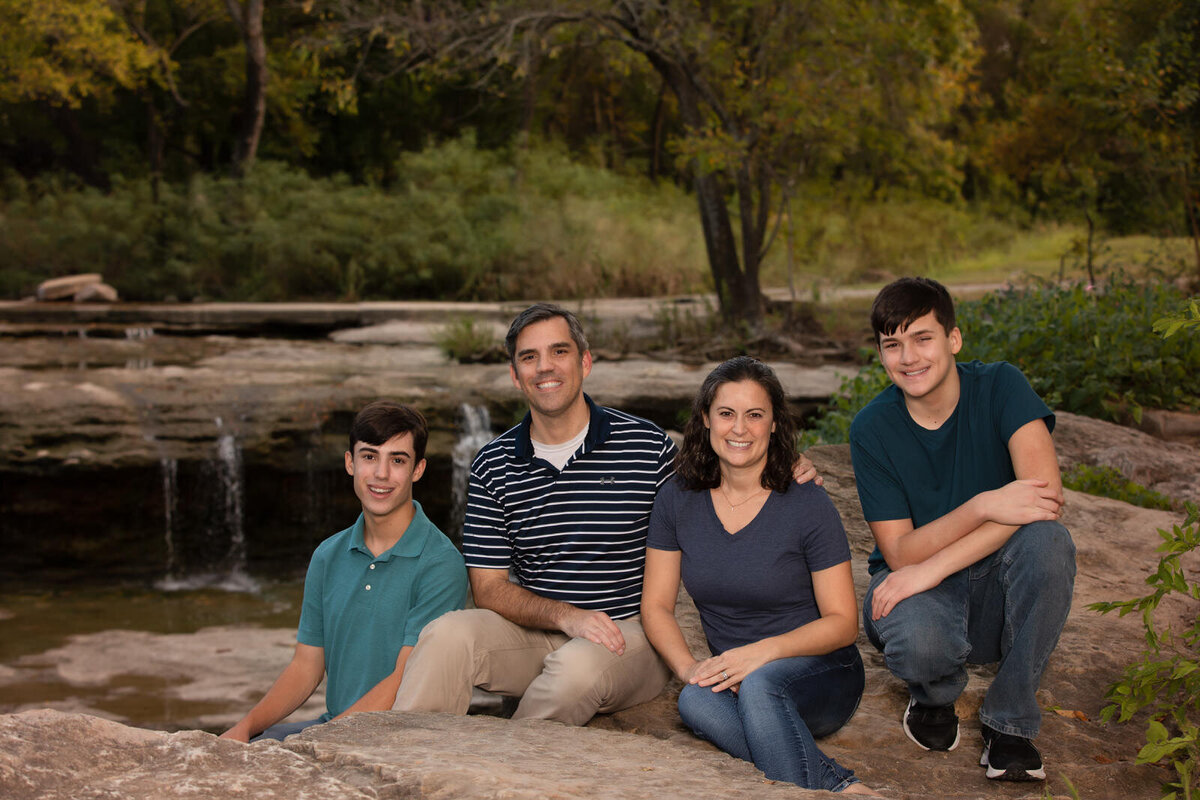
(579, 535)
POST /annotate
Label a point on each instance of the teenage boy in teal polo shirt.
(371, 588)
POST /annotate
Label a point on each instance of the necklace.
(739, 502)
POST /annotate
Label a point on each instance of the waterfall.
(228, 570)
(229, 468)
(475, 431)
(170, 481)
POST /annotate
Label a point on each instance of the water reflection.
(143, 657)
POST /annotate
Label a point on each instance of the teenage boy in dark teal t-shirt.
(371, 588)
(959, 483)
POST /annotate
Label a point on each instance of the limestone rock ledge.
(51, 755)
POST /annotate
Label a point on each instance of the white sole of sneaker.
(1011, 774)
(913, 739)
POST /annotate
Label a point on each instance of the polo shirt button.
(368, 587)
(372, 566)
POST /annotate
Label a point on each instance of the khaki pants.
(556, 677)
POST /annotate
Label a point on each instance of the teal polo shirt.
(363, 608)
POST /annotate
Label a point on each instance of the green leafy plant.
(1165, 680)
(1109, 482)
(833, 426)
(1186, 319)
(1088, 348)
(465, 341)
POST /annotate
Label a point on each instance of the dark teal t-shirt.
(907, 472)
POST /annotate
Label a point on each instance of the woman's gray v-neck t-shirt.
(757, 582)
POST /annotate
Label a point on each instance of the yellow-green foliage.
(65, 50)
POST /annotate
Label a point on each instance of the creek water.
(211, 542)
(36, 626)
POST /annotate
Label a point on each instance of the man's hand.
(900, 585)
(1024, 501)
(595, 626)
(804, 471)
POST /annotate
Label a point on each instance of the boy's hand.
(900, 585)
(238, 733)
(1024, 501)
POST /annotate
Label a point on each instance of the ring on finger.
(724, 675)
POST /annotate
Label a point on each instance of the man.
(960, 485)
(563, 501)
(371, 588)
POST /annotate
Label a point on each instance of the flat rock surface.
(223, 670)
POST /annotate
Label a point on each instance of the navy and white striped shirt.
(578, 536)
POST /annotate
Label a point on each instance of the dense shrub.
(1087, 350)
(462, 222)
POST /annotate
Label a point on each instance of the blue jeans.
(282, 730)
(778, 710)
(1008, 607)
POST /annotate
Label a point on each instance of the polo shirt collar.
(598, 430)
(410, 545)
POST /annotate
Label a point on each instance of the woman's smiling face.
(740, 423)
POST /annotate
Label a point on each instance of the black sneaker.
(1010, 758)
(931, 727)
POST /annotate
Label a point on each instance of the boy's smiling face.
(920, 357)
(384, 474)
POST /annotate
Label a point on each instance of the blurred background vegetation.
(362, 149)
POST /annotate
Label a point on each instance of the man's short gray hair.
(537, 313)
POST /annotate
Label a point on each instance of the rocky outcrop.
(1171, 468)
(51, 756)
(221, 671)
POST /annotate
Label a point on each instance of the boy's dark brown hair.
(901, 302)
(383, 419)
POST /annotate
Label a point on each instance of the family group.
(582, 522)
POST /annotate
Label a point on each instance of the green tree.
(1093, 105)
(63, 51)
(766, 91)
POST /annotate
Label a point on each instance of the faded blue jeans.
(1008, 607)
(778, 711)
(281, 730)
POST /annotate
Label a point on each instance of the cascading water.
(170, 483)
(475, 431)
(228, 570)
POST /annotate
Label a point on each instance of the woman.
(767, 563)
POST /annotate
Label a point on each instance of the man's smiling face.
(548, 367)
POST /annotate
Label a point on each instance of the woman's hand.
(728, 670)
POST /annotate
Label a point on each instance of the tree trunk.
(249, 19)
(738, 291)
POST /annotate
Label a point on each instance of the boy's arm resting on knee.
(294, 685)
(660, 589)
(921, 558)
(382, 696)
(983, 523)
(494, 591)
